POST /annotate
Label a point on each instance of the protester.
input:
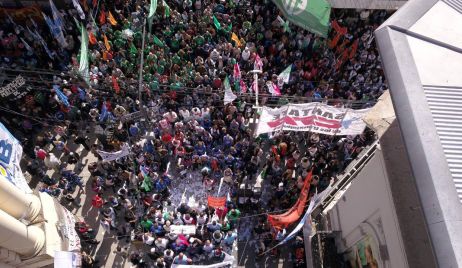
(186, 137)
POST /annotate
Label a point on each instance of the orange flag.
(236, 40)
(102, 17)
(283, 220)
(115, 85)
(106, 43)
(111, 19)
(92, 38)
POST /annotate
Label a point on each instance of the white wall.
(367, 209)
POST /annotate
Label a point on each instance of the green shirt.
(146, 224)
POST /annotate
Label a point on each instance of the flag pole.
(140, 85)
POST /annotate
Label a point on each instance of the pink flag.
(254, 86)
(258, 64)
(273, 88)
(237, 72)
(243, 86)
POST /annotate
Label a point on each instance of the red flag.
(338, 28)
(95, 3)
(92, 38)
(281, 221)
(354, 48)
(102, 17)
(332, 43)
(115, 85)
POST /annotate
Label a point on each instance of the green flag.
(158, 42)
(84, 62)
(133, 49)
(216, 23)
(312, 15)
(167, 10)
(152, 11)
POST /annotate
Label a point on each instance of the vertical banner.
(313, 117)
(10, 158)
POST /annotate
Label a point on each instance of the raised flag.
(236, 40)
(57, 16)
(44, 44)
(312, 15)
(284, 24)
(83, 61)
(92, 38)
(283, 220)
(79, 9)
(152, 12)
(229, 95)
(258, 64)
(354, 48)
(158, 42)
(106, 43)
(62, 97)
(237, 72)
(242, 86)
(104, 112)
(102, 17)
(115, 85)
(111, 19)
(254, 86)
(273, 88)
(55, 31)
(216, 23)
(283, 78)
(167, 9)
(26, 45)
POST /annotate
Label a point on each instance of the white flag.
(229, 95)
(79, 9)
(283, 78)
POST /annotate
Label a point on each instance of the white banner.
(227, 262)
(111, 156)
(313, 117)
(10, 157)
(65, 259)
(183, 229)
(67, 228)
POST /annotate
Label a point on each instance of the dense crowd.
(185, 133)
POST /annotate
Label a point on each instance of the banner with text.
(10, 158)
(313, 117)
(111, 156)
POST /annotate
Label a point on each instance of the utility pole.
(256, 106)
(140, 81)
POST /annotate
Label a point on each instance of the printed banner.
(216, 202)
(183, 229)
(66, 259)
(10, 158)
(111, 156)
(12, 89)
(132, 116)
(67, 228)
(313, 117)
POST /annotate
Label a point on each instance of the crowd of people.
(185, 132)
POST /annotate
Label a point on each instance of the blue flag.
(104, 113)
(82, 93)
(61, 96)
